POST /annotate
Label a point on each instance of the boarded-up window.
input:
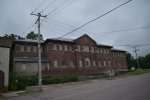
(34, 49)
(65, 48)
(80, 63)
(24, 67)
(17, 48)
(22, 48)
(28, 49)
(55, 63)
(104, 63)
(54, 47)
(71, 64)
(94, 63)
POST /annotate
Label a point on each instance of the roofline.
(118, 50)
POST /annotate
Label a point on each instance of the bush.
(16, 86)
(29, 81)
(59, 79)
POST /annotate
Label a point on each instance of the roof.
(5, 42)
(28, 59)
(28, 40)
(66, 40)
(102, 45)
(61, 39)
(118, 50)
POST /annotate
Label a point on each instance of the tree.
(147, 61)
(130, 61)
(12, 36)
(33, 36)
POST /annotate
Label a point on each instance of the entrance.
(1, 80)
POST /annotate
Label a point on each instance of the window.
(60, 47)
(34, 49)
(101, 50)
(28, 48)
(24, 67)
(79, 48)
(80, 63)
(97, 50)
(108, 51)
(47, 66)
(109, 63)
(70, 48)
(22, 48)
(55, 63)
(86, 48)
(71, 64)
(65, 48)
(104, 51)
(17, 48)
(64, 63)
(87, 62)
(92, 49)
(54, 47)
(94, 63)
(104, 63)
(100, 63)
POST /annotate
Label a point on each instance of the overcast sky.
(15, 18)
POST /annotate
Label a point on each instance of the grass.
(136, 72)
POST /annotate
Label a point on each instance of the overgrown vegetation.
(19, 82)
(144, 61)
(136, 72)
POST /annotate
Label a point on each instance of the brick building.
(81, 56)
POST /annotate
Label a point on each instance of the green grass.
(136, 72)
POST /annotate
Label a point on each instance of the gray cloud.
(15, 18)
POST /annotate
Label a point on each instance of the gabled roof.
(85, 35)
(60, 40)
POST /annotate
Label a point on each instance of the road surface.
(129, 88)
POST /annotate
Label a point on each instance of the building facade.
(5, 45)
(81, 56)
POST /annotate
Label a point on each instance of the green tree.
(130, 60)
(12, 36)
(147, 61)
(33, 36)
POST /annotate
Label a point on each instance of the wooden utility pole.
(39, 50)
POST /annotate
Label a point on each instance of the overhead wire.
(62, 8)
(49, 5)
(39, 6)
(57, 7)
(96, 18)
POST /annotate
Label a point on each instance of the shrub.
(16, 86)
(59, 79)
(29, 81)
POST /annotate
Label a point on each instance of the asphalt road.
(130, 88)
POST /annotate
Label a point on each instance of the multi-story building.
(80, 56)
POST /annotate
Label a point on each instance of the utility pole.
(39, 50)
(136, 55)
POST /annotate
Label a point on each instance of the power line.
(57, 7)
(124, 30)
(39, 6)
(27, 29)
(96, 18)
(49, 5)
(62, 8)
